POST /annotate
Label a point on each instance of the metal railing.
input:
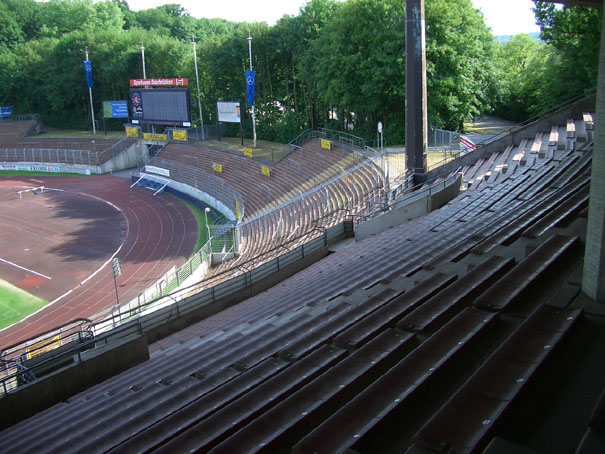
(118, 147)
(343, 138)
(50, 155)
(443, 140)
(293, 238)
(538, 116)
(27, 369)
(20, 118)
(208, 183)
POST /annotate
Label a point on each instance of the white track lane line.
(26, 269)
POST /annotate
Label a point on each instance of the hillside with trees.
(334, 64)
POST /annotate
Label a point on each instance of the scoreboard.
(164, 106)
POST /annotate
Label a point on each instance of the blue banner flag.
(6, 112)
(250, 83)
(88, 69)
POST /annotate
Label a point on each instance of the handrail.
(68, 353)
(45, 335)
(20, 118)
(524, 123)
(538, 116)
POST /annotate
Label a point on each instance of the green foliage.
(461, 72)
(522, 62)
(574, 32)
(537, 76)
(334, 64)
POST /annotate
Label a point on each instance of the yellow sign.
(156, 137)
(237, 214)
(217, 168)
(248, 152)
(132, 132)
(44, 346)
(266, 171)
(326, 144)
(180, 135)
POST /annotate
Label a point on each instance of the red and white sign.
(178, 82)
(467, 144)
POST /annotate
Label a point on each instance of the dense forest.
(335, 64)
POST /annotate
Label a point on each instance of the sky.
(504, 17)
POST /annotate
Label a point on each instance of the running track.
(155, 232)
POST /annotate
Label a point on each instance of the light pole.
(253, 117)
(143, 60)
(197, 79)
(206, 211)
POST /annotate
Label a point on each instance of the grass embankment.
(271, 151)
(58, 133)
(200, 217)
(16, 304)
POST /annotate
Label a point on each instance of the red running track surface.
(58, 244)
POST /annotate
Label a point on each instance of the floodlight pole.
(92, 110)
(253, 117)
(143, 60)
(197, 79)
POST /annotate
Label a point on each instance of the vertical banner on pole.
(88, 69)
(250, 86)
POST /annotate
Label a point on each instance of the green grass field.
(15, 304)
(25, 173)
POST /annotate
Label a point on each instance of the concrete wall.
(526, 132)
(593, 278)
(195, 193)
(412, 206)
(99, 365)
(49, 167)
(131, 157)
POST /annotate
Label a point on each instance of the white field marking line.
(25, 269)
(85, 280)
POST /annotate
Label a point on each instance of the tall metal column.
(416, 126)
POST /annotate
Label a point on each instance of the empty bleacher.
(17, 146)
(430, 335)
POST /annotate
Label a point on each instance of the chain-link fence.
(443, 140)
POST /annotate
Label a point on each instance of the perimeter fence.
(50, 155)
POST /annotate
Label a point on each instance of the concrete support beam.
(593, 278)
(416, 126)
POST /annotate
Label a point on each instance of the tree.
(461, 73)
(575, 33)
(360, 66)
(523, 63)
